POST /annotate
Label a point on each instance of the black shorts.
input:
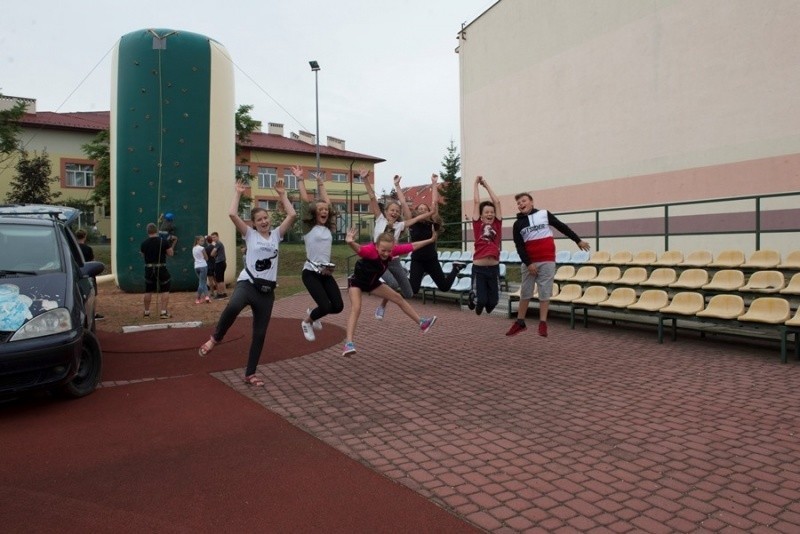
(219, 271)
(156, 276)
(365, 286)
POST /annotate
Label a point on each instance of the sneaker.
(543, 328)
(426, 324)
(208, 299)
(471, 300)
(98, 317)
(316, 324)
(478, 309)
(458, 266)
(349, 349)
(146, 313)
(516, 328)
(308, 331)
(164, 315)
(198, 301)
(379, 312)
(221, 296)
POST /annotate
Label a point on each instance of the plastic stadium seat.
(584, 274)
(670, 258)
(621, 297)
(793, 288)
(503, 256)
(563, 256)
(765, 282)
(794, 321)
(513, 257)
(579, 256)
(592, 296)
(622, 257)
(447, 267)
(568, 293)
(644, 257)
(723, 307)
(607, 275)
(601, 256)
(726, 280)
(728, 258)
(633, 276)
(792, 261)
(691, 279)
(763, 259)
(428, 283)
(771, 310)
(466, 256)
(651, 300)
(565, 272)
(444, 255)
(466, 272)
(661, 277)
(698, 258)
(685, 303)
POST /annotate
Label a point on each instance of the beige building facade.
(612, 103)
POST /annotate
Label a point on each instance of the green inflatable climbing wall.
(172, 131)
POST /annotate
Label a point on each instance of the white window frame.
(79, 174)
(339, 177)
(267, 177)
(289, 180)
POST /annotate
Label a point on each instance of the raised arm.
(322, 193)
(350, 239)
(233, 211)
(401, 197)
(301, 183)
(476, 199)
(291, 214)
(497, 210)
(373, 200)
(434, 193)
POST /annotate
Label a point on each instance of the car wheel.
(89, 369)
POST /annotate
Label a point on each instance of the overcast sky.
(388, 83)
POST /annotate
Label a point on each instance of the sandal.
(207, 347)
(253, 380)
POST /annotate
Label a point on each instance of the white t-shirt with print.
(261, 256)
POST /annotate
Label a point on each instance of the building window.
(268, 205)
(361, 208)
(245, 213)
(267, 177)
(289, 180)
(339, 177)
(340, 207)
(242, 172)
(79, 175)
(358, 179)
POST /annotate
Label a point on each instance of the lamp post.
(315, 69)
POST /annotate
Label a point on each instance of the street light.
(315, 69)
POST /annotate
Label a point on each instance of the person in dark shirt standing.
(155, 250)
(220, 265)
(88, 255)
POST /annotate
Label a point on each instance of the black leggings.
(325, 292)
(432, 267)
(245, 294)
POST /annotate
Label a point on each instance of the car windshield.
(28, 249)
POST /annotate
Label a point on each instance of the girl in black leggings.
(425, 260)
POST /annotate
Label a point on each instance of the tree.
(450, 193)
(32, 183)
(10, 129)
(99, 150)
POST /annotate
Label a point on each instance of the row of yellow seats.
(773, 310)
(723, 280)
(760, 259)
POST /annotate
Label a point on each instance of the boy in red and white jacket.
(533, 237)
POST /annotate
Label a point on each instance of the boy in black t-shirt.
(155, 250)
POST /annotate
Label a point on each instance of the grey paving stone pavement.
(597, 429)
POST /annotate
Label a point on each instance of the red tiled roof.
(79, 120)
(100, 120)
(419, 194)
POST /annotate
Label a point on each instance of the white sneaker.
(316, 324)
(379, 312)
(308, 331)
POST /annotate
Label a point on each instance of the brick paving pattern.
(589, 430)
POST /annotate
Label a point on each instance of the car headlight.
(46, 324)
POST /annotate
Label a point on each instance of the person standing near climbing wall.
(155, 250)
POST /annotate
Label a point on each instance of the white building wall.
(599, 103)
